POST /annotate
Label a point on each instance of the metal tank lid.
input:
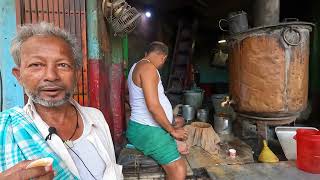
(298, 24)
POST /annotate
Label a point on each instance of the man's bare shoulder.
(145, 68)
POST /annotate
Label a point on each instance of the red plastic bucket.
(308, 150)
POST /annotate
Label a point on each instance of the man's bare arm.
(149, 84)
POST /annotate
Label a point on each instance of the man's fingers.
(48, 176)
(33, 172)
(15, 169)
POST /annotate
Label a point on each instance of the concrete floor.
(244, 168)
(284, 170)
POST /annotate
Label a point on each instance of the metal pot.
(193, 98)
(202, 115)
(188, 112)
(222, 124)
(237, 22)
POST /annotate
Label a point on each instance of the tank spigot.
(227, 101)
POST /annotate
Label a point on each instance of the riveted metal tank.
(268, 69)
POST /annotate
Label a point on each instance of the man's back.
(140, 112)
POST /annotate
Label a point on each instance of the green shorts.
(153, 141)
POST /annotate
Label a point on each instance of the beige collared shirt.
(99, 135)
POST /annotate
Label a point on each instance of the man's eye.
(35, 65)
(64, 65)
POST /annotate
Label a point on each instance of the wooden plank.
(199, 158)
(34, 14)
(61, 14)
(67, 15)
(72, 24)
(78, 36)
(72, 18)
(84, 50)
(56, 12)
(40, 10)
(27, 12)
(51, 11)
(45, 9)
(76, 97)
(152, 171)
(19, 16)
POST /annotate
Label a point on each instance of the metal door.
(67, 14)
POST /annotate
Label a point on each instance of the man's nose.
(51, 73)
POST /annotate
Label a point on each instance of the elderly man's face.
(47, 71)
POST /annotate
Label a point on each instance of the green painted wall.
(315, 52)
(209, 74)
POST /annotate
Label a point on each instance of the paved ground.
(284, 170)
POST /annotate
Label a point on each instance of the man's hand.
(19, 172)
(179, 134)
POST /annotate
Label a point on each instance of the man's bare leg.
(176, 170)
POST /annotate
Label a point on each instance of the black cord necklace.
(68, 141)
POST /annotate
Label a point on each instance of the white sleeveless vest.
(139, 110)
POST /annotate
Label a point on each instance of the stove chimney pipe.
(266, 12)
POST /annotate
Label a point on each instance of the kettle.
(222, 124)
(202, 115)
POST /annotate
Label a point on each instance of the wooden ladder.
(180, 70)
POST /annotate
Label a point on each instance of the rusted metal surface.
(268, 75)
(67, 14)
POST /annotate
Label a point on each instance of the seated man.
(150, 127)
(47, 66)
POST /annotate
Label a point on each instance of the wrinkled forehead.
(46, 44)
(46, 40)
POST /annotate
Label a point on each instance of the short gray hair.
(44, 29)
(157, 46)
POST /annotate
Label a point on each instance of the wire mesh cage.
(122, 17)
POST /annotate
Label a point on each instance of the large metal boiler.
(268, 69)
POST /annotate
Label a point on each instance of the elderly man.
(52, 124)
(150, 127)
